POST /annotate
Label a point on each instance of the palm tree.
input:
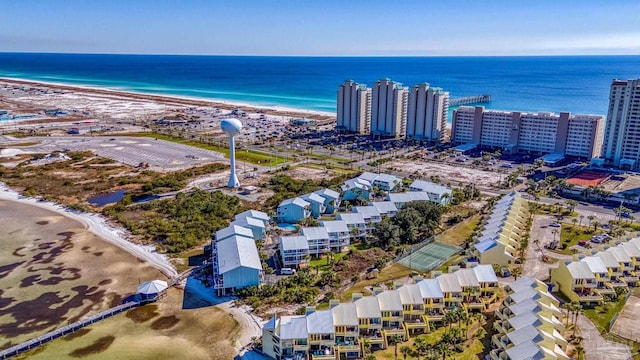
(516, 272)
(443, 349)
(591, 218)
(580, 351)
(395, 340)
(366, 346)
(567, 306)
(574, 221)
(421, 345)
(405, 350)
(596, 224)
(581, 217)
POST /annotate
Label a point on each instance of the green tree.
(387, 233)
(395, 340)
(405, 350)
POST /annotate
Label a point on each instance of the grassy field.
(54, 272)
(471, 352)
(458, 234)
(164, 330)
(395, 271)
(250, 156)
(602, 316)
(570, 235)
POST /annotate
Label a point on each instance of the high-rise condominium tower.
(427, 113)
(354, 108)
(621, 145)
(389, 109)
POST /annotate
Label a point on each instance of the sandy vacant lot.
(448, 173)
(52, 271)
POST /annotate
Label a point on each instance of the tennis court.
(429, 257)
(588, 178)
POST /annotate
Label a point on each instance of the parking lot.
(160, 155)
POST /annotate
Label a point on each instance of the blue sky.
(304, 27)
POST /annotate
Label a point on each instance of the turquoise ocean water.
(579, 84)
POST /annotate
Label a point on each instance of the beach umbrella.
(152, 287)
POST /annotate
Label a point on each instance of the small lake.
(106, 199)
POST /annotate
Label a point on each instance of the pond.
(106, 199)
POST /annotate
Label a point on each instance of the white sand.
(97, 225)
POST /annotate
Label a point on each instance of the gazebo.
(152, 289)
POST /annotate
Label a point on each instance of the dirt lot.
(447, 173)
(628, 323)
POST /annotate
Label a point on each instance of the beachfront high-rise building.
(389, 109)
(621, 145)
(427, 113)
(354, 108)
(542, 132)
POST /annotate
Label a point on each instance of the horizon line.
(317, 56)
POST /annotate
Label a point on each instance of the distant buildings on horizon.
(389, 109)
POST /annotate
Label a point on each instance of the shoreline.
(175, 99)
(97, 225)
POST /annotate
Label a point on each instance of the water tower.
(232, 127)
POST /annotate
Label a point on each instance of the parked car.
(554, 224)
(582, 243)
(287, 271)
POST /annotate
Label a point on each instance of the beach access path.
(99, 226)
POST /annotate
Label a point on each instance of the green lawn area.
(602, 318)
(395, 271)
(471, 352)
(250, 156)
(570, 235)
(460, 232)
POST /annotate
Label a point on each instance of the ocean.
(579, 84)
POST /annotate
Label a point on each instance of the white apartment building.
(542, 132)
(389, 108)
(427, 113)
(621, 145)
(354, 107)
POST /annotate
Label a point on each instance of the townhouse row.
(588, 279)
(410, 309)
(528, 324)
(502, 231)
(234, 255)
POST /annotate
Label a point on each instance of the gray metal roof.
(523, 306)
(608, 259)
(580, 270)
(368, 307)
(233, 230)
(295, 242)
(384, 207)
(328, 193)
(315, 233)
(249, 222)
(320, 322)
(527, 333)
(485, 273)
(389, 300)
(430, 187)
(449, 283)
(344, 314)
(313, 198)
(399, 197)
(335, 226)
(631, 249)
(293, 327)
(525, 282)
(254, 214)
(418, 196)
(410, 294)
(366, 211)
(524, 319)
(295, 201)
(430, 289)
(525, 294)
(356, 184)
(619, 253)
(237, 251)
(525, 351)
(595, 264)
(351, 218)
(467, 277)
